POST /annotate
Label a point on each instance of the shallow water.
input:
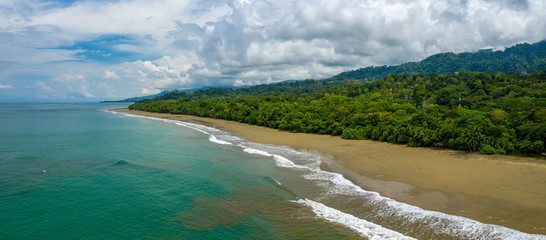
(74, 171)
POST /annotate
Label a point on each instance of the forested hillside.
(305, 86)
(520, 58)
(483, 112)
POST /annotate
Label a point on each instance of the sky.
(91, 50)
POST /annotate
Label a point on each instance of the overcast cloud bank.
(116, 49)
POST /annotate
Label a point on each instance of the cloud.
(43, 87)
(72, 85)
(260, 42)
(5, 86)
(171, 44)
(155, 76)
(110, 75)
(337, 35)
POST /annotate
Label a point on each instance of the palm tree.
(472, 137)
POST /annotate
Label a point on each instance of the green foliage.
(305, 86)
(499, 113)
(520, 58)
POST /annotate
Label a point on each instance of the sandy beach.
(502, 190)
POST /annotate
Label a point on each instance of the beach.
(501, 190)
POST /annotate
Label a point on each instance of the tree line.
(482, 112)
(520, 58)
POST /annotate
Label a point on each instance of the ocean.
(81, 171)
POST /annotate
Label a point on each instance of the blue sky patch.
(103, 49)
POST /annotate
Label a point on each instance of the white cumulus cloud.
(72, 85)
(110, 75)
(175, 44)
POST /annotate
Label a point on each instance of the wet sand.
(502, 190)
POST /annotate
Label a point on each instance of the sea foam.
(258, 152)
(280, 161)
(363, 227)
(336, 184)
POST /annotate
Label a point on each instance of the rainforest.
(481, 112)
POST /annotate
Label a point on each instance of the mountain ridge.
(519, 58)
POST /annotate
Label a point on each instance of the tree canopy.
(483, 112)
(521, 58)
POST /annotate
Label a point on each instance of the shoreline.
(503, 190)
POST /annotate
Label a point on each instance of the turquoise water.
(77, 171)
(68, 171)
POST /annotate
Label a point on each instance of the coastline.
(501, 190)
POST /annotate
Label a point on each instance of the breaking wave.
(427, 224)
